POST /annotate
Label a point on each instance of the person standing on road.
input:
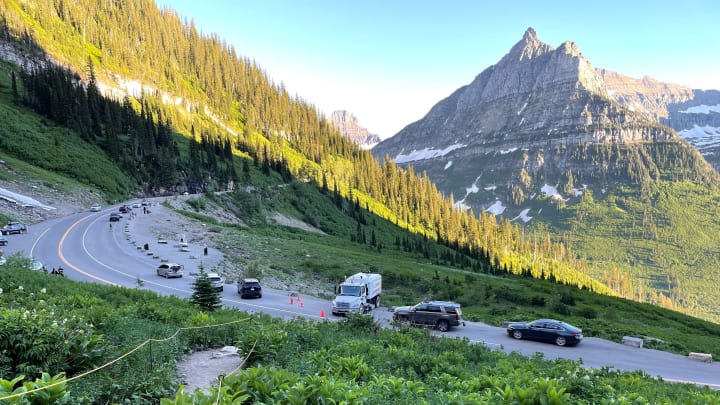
(205, 250)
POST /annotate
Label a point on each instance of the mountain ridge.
(350, 128)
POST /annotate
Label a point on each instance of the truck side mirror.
(337, 289)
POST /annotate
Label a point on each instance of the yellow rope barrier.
(140, 346)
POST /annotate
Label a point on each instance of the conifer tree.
(204, 295)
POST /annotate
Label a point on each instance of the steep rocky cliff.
(540, 115)
(694, 114)
(349, 127)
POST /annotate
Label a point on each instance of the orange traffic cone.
(302, 304)
(299, 298)
(322, 313)
(291, 301)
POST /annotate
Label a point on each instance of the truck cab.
(359, 293)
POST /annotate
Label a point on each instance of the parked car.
(249, 287)
(546, 330)
(3, 241)
(13, 227)
(95, 208)
(217, 281)
(124, 209)
(115, 216)
(169, 270)
(441, 315)
(136, 204)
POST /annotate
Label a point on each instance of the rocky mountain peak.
(529, 47)
(570, 48)
(349, 127)
(527, 117)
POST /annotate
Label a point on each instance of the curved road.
(89, 250)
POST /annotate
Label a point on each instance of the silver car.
(169, 270)
(217, 281)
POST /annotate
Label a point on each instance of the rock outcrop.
(694, 114)
(349, 127)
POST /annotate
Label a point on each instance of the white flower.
(43, 291)
(20, 288)
(1, 290)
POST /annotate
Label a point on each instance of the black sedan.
(546, 330)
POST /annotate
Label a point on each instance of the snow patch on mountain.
(23, 200)
(497, 208)
(702, 109)
(551, 191)
(506, 151)
(701, 135)
(448, 164)
(523, 215)
(427, 153)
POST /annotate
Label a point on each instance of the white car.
(217, 281)
(95, 207)
(136, 204)
(169, 270)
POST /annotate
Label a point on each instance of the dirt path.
(201, 369)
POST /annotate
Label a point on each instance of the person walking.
(205, 250)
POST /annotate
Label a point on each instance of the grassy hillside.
(121, 345)
(669, 250)
(40, 143)
(316, 261)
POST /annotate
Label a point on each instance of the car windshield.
(351, 290)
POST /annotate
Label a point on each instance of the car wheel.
(560, 341)
(517, 334)
(377, 302)
(443, 325)
(167, 275)
(158, 273)
(259, 295)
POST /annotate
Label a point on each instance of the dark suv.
(441, 315)
(249, 287)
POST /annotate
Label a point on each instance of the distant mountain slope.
(351, 129)
(540, 115)
(694, 114)
(540, 138)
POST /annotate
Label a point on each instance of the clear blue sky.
(389, 61)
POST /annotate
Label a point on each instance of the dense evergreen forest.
(227, 107)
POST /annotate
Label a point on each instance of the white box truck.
(358, 293)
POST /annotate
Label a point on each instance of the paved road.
(91, 251)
